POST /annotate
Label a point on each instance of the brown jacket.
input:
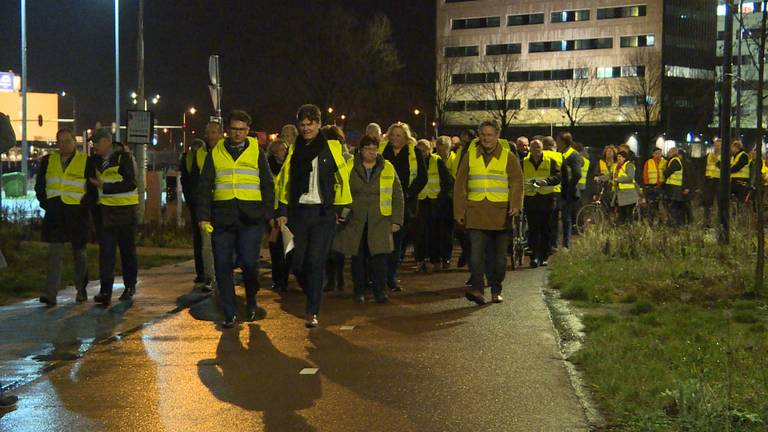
(487, 215)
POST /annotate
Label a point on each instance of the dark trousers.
(740, 189)
(653, 196)
(334, 271)
(625, 214)
(367, 267)
(566, 216)
(678, 211)
(539, 232)
(280, 265)
(313, 230)
(488, 257)
(708, 198)
(245, 239)
(554, 225)
(110, 239)
(393, 259)
(427, 232)
(197, 245)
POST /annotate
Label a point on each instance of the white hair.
(373, 128)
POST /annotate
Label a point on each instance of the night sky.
(71, 47)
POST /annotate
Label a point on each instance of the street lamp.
(191, 111)
(416, 112)
(63, 93)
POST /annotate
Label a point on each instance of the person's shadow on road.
(261, 378)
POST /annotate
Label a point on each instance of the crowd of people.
(318, 200)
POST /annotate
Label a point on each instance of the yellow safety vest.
(413, 167)
(386, 186)
(450, 162)
(112, 175)
(556, 157)
(237, 179)
(743, 173)
(68, 184)
(623, 172)
(655, 171)
(432, 189)
(584, 171)
(676, 179)
(713, 172)
(341, 192)
(487, 182)
(532, 173)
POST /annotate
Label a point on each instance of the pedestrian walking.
(313, 192)
(541, 174)
(523, 147)
(571, 173)
(334, 267)
(653, 183)
(550, 149)
(739, 172)
(445, 203)
(63, 192)
(488, 190)
(626, 188)
(278, 150)
(399, 148)
(236, 197)
(376, 213)
(711, 182)
(114, 174)
(429, 231)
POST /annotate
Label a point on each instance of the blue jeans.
(313, 228)
(110, 238)
(488, 257)
(246, 240)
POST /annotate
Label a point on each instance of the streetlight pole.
(74, 111)
(24, 143)
(117, 71)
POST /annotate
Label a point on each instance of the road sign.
(140, 127)
(6, 81)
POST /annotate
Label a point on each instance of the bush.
(642, 307)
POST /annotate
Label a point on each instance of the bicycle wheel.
(590, 216)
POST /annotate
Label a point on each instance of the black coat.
(116, 216)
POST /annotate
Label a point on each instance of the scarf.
(301, 164)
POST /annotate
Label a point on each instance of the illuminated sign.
(6, 81)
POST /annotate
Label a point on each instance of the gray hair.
(490, 123)
(372, 127)
(444, 140)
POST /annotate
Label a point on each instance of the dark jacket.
(402, 168)
(571, 174)
(366, 210)
(109, 216)
(274, 165)
(543, 202)
(326, 178)
(674, 193)
(189, 179)
(225, 213)
(65, 223)
(7, 136)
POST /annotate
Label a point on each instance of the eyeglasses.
(234, 129)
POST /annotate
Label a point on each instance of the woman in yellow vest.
(376, 213)
(540, 175)
(118, 198)
(606, 171)
(675, 184)
(626, 189)
(711, 182)
(739, 172)
(429, 230)
(63, 192)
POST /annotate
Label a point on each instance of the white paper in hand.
(287, 239)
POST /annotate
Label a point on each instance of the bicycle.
(518, 240)
(592, 214)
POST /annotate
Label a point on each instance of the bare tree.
(641, 81)
(574, 93)
(445, 91)
(495, 94)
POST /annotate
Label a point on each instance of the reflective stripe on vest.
(557, 157)
(237, 179)
(713, 172)
(413, 167)
(676, 179)
(112, 175)
(743, 173)
(530, 172)
(584, 171)
(488, 182)
(386, 185)
(68, 184)
(623, 173)
(432, 189)
(655, 171)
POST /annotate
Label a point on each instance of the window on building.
(688, 73)
(632, 101)
(462, 51)
(544, 103)
(621, 12)
(620, 72)
(581, 73)
(570, 45)
(475, 78)
(481, 105)
(592, 102)
(454, 106)
(475, 23)
(570, 16)
(648, 40)
(528, 19)
(501, 49)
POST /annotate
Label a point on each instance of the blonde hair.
(403, 127)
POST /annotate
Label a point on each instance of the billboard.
(6, 81)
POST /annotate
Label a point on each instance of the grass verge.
(675, 337)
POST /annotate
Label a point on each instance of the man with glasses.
(236, 196)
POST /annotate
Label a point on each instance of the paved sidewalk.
(429, 361)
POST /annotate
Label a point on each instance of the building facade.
(568, 63)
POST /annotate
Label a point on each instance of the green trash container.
(13, 184)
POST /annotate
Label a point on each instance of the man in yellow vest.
(115, 178)
(541, 174)
(191, 164)
(399, 148)
(739, 171)
(63, 193)
(429, 229)
(313, 191)
(676, 187)
(711, 182)
(488, 191)
(236, 195)
(571, 174)
(653, 182)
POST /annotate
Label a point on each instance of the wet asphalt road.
(429, 361)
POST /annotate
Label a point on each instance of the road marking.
(347, 328)
(309, 371)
